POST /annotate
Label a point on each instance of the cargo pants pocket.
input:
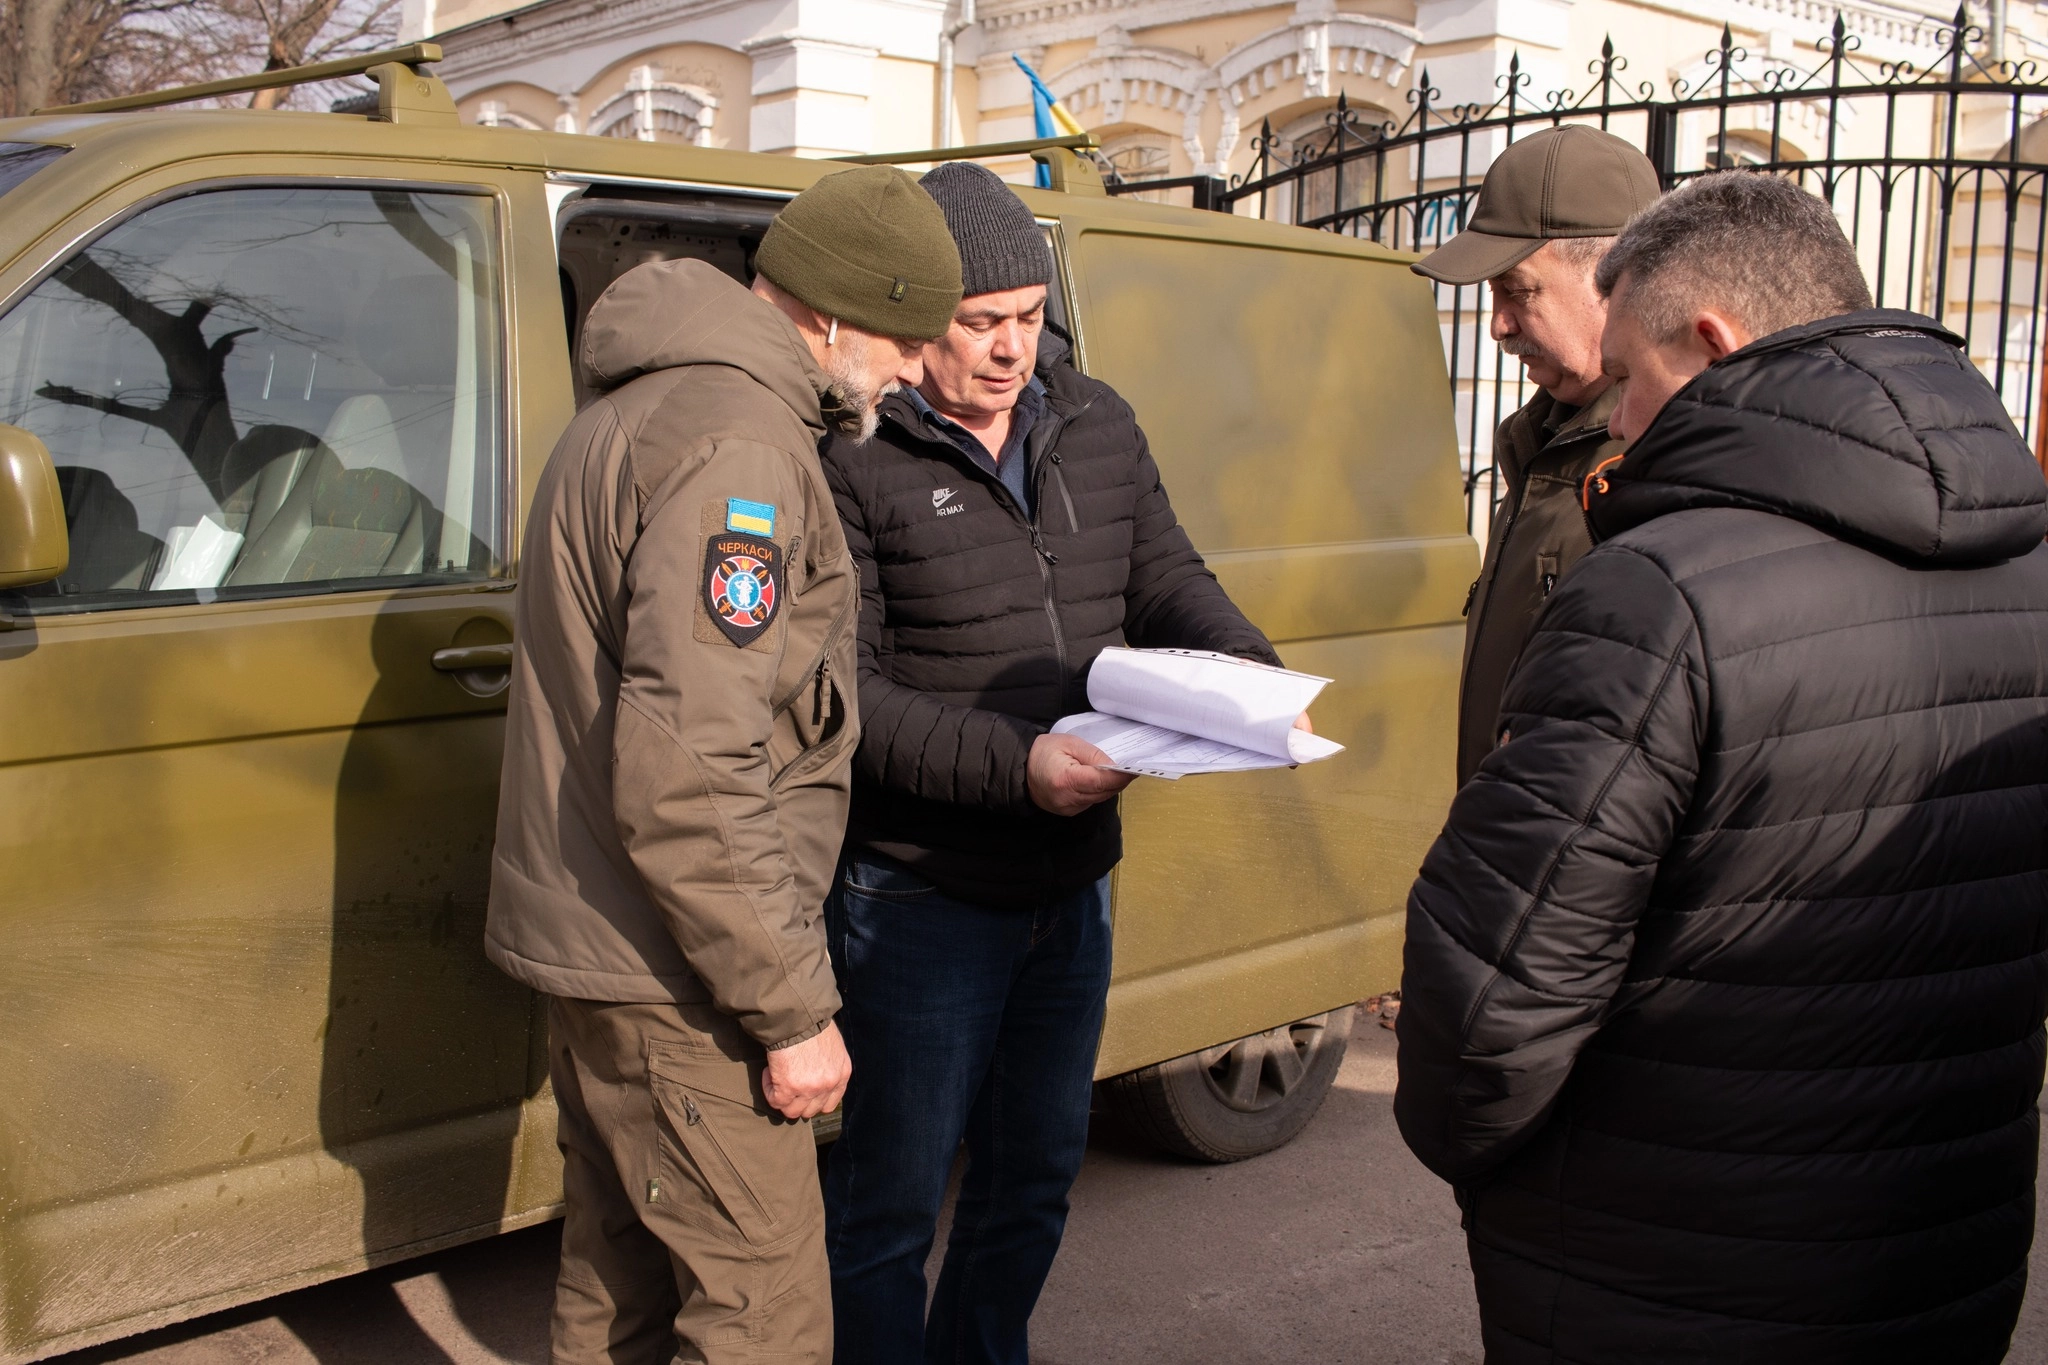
(710, 1123)
(734, 1193)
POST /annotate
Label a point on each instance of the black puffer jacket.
(1725, 981)
(978, 625)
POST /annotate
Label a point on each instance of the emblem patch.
(742, 585)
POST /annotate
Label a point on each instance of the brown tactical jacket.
(1544, 452)
(681, 714)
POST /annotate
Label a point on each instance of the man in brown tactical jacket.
(680, 726)
(1549, 208)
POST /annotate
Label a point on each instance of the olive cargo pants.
(694, 1229)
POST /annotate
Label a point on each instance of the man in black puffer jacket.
(1008, 523)
(1725, 982)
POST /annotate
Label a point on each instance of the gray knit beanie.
(1001, 245)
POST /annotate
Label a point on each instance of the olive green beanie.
(867, 246)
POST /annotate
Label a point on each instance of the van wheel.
(1237, 1099)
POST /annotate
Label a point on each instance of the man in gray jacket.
(676, 770)
(1549, 208)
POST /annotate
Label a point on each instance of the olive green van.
(277, 388)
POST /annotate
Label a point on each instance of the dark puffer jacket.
(978, 625)
(1725, 982)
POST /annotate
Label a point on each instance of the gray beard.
(854, 410)
(851, 412)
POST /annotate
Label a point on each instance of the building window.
(1140, 156)
(1312, 137)
(1746, 149)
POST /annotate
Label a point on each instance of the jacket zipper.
(818, 674)
(1055, 423)
(1047, 560)
(1478, 623)
(1073, 522)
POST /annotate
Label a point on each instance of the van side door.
(249, 766)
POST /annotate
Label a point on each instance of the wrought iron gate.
(1937, 175)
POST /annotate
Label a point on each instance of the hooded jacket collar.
(676, 313)
(1872, 426)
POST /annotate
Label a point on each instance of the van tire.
(1237, 1099)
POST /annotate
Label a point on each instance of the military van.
(276, 390)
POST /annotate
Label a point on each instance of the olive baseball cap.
(1572, 181)
(871, 248)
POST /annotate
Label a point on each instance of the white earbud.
(832, 333)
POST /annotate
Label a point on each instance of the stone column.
(810, 96)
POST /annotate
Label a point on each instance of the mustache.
(1520, 347)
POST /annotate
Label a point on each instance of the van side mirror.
(34, 545)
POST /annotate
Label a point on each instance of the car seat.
(405, 336)
(335, 522)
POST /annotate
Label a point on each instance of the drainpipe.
(946, 37)
(1997, 31)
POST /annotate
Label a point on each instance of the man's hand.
(1301, 724)
(1063, 778)
(808, 1078)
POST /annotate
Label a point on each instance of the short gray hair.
(1754, 246)
(1583, 252)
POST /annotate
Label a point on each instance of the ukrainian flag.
(1050, 116)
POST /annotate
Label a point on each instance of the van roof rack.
(1068, 158)
(404, 92)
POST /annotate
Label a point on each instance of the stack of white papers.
(197, 556)
(1171, 712)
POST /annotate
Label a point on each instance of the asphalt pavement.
(1337, 1248)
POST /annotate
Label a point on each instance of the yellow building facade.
(1187, 87)
(1171, 87)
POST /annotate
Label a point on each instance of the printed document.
(197, 556)
(1171, 712)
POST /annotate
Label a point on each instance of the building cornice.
(1022, 23)
(504, 44)
(1887, 31)
(479, 50)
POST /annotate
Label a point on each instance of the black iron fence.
(1937, 175)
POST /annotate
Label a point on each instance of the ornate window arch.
(650, 109)
(1118, 78)
(496, 114)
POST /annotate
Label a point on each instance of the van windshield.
(20, 160)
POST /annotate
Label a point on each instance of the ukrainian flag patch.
(755, 517)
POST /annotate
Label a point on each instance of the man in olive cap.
(1548, 210)
(675, 785)
(1008, 523)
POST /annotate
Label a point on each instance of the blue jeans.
(963, 1021)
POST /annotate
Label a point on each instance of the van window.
(258, 391)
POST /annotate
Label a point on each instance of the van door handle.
(464, 658)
